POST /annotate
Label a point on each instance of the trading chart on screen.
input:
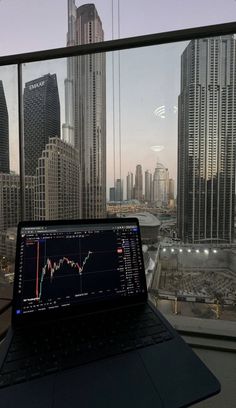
(62, 265)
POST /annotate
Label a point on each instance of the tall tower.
(206, 141)
(85, 90)
(4, 133)
(160, 185)
(41, 118)
(148, 186)
(119, 190)
(130, 186)
(138, 183)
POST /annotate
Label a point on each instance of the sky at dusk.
(149, 77)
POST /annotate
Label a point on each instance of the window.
(86, 134)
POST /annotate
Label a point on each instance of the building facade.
(112, 194)
(130, 186)
(58, 183)
(138, 188)
(85, 120)
(41, 118)
(10, 211)
(119, 190)
(10, 203)
(206, 141)
(4, 133)
(161, 185)
(148, 186)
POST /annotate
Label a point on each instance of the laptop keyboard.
(74, 342)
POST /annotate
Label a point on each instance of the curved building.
(149, 225)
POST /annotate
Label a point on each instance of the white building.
(161, 186)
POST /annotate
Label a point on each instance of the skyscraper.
(10, 203)
(119, 190)
(112, 194)
(138, 183)
(57, 187)
(4, 133)
(206, 141)
(10, 200)
(130, 186)
(85, 121)
(171, 189)
(41, 118)
(148, 186)
(160, 185)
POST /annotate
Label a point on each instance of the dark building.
(206, 141)
(41, 118)
(4, 133)
(112, 196)
(138, 195)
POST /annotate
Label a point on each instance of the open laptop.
(83, 333)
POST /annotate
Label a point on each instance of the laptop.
(83, 333)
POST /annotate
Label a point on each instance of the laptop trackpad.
(117, 382)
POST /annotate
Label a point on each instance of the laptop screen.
(60, 265)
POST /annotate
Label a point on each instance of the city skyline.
(147, 132)
(154, 187)
(162, 128)
(168, 66)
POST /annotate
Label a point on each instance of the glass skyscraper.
(138, 183)
(4, 133)
(41, 118)
(206, 141)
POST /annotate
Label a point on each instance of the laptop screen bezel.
(73, 310)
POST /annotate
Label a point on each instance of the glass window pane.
(150, 131)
